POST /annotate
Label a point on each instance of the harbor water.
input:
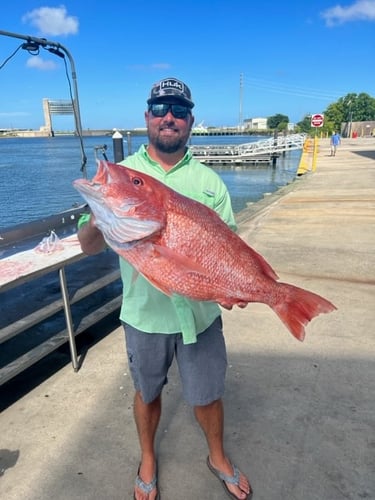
(37, 173)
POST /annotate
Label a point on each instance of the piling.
(118, 147)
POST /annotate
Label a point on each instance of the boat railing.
(270, 147)
(50, 298)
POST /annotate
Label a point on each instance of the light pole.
(350, 119)
(32, 44)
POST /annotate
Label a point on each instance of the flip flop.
(223, 478)
(147, 487)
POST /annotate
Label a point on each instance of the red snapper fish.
(182, 246)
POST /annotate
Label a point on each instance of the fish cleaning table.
(26, 266)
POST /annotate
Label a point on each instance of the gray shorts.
(202, 365)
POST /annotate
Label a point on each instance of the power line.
(268, 86)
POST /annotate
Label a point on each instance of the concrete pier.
(300, 417)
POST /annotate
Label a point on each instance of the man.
(335, 141)
(157, 327)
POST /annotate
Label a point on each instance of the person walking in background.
(158, 327)
(335, 141)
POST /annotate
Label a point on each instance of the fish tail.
(299, 307)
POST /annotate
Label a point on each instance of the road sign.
(317, 120)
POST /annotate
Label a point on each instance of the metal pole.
(274, 153)
(68, 319)
(43, 42)
(241, 97)
(129, 141)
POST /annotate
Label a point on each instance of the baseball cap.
(171, 87)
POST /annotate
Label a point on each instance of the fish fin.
(182, 262)
(266, 268)
(299, 308)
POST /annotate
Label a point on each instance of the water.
(37, 174)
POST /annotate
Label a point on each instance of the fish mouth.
(92, 192)
(121, 227)
(86, 187)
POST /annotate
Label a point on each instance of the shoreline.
(214, 131)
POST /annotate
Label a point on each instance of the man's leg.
(211, 420)
(147, 418)
(149, 358)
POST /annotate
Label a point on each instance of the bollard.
(129, 141)
(118, 147)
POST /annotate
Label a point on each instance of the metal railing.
(268, 146)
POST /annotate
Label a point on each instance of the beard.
(169, 144)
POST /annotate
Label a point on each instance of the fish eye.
(137, 181)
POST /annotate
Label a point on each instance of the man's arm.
(90, 238)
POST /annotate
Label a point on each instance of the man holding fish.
(159, 326)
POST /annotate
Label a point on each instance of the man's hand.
(91, 238)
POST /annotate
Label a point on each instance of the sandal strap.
(234, 479)
(145, 487)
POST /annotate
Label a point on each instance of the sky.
(241, 59)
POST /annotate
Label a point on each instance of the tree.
(304, 125)
(351, 108)
(275, 121)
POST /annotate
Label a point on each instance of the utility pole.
(241, 97)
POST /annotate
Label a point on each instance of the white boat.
(200, 128)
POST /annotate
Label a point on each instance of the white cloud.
(152, 66)
(52, 21)
(361, 10)
(160, 66)
(39, 63)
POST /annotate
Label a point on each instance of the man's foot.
(235, 484)
(143, 489)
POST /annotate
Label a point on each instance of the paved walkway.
(300, 417)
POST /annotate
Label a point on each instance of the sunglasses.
(177, 110)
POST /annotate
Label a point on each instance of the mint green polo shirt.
(143, 306)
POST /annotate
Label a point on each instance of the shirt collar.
(185, 159)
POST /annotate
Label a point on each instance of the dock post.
(129, 142)
(274, 154)
(118, 147)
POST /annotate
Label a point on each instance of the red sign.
(317, 120)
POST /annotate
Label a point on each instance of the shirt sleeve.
(83, 220)
(224, 209)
